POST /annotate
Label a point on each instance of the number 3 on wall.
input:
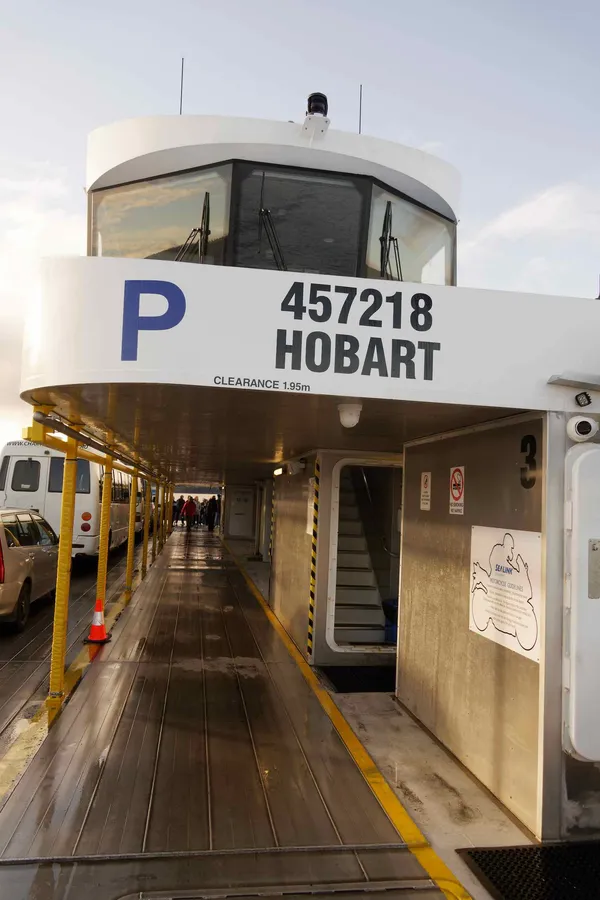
(529, 470)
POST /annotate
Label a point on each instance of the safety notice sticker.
(506, 588)
(426, 490)
(457, 491)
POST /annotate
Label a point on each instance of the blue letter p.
(133, 323)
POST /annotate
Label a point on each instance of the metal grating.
(567, 871)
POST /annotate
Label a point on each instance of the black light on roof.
(317, 105)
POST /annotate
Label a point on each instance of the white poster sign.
(457, 491)
(506, 587)
(426, 490)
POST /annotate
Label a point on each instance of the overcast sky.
(506, 90)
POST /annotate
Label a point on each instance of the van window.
(55, 479)
(26, 475)
(3, 471)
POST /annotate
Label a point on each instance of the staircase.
(359, 617)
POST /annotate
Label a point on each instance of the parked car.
(28, 560)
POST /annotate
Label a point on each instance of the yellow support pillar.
(155, 522)
(131, 537)
(147, 499)
(104, 532)
(161, 518)
(63, 578)
(164, 515)
(159, 504)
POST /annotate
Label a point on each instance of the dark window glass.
(3, 471)
(9, 520)
(299, 221)
(26, 475)
(47, 534)
(407, 243)
(154, 219)
(55, 479)
(27, 532)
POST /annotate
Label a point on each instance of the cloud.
(39, 216)
(546, 244)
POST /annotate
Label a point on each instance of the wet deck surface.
(195, 756)
(25, 657)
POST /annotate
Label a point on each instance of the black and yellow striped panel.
(313, 559)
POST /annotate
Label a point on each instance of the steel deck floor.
(194, 736)
(25, 657)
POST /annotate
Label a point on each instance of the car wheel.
(22, 608)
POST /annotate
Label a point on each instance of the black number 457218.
(322, 303)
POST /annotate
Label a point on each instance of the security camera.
(582, 428)
(295, 467)
(349, 414)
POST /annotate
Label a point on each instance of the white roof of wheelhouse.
(144, 148)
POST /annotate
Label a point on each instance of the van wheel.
(22, 608)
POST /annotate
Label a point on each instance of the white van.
(31, 477)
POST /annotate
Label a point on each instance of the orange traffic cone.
(98, 633)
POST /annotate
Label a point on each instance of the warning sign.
(426, 490)
(457, 491)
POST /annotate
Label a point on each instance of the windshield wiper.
(265, 221)
(388, 243)
(197, 234)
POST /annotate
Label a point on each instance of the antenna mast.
(181, 88)
(360, 109)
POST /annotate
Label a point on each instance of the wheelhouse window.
(274, 217)
(298, 221)
(408, 243)
(181, 217)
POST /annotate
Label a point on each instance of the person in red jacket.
(188, 512)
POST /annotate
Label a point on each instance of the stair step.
(352, 577)
(354, 543)
(359, 634)
(352, 527)
(348, 513)
(358, 614)
(363, 595)
(353, 559)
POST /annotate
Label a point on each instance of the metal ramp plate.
(266, 872)
(567, 871)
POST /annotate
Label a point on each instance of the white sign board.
(457, 491)
(506, 587)
(426, 490)
(103, 320)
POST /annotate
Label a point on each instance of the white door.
(241, 512)
(26, 482)
(582, 601)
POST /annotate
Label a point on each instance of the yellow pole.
(104, 532)
(155, 522)
(131, 538)
(159, 505)
(161, 518)
(147, 497)
(63, 578)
